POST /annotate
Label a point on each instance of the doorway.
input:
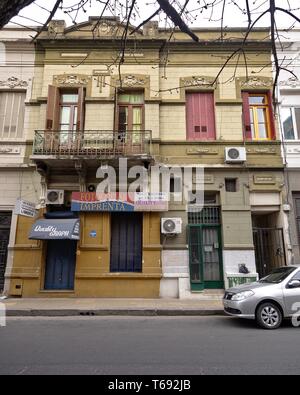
(126, 242)
(206, 265)
(269, 243)
(5, 222)
(60, 265)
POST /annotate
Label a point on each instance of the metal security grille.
(297, 214)
(5, 221)
(208, 216)
(126, 242)
(269, 249)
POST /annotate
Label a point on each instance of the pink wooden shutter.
(200, 116)
(272, 116)
(246, 116)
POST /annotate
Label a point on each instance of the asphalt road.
(157, 346)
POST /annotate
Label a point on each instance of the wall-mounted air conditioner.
(55, 196)
(235, 155)
(171, 226)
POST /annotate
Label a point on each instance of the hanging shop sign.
(55, 229)
(25, 208)
(118, 202)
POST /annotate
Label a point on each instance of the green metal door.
(206, 264)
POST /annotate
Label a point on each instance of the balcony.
(92, 144)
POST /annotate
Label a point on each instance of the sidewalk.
(111, 307)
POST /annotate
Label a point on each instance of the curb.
(120, 312)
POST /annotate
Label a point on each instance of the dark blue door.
(60, 265)
(126, 242)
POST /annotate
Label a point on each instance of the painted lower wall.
(93, 277)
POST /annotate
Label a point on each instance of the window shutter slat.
(246, 116)
(200, 116)
(52, 115)
(81, 109)
(272, 117)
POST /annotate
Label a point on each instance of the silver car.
(267, 301)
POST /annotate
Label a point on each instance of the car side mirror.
(294, 284)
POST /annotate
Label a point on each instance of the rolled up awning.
(56, 229)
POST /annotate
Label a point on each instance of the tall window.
(297, 213)
(68, 111)
(68, 117)
(130, 111)
(290, 117)
(258, 116)
(200, 114)
(65, 109)
(12, 109)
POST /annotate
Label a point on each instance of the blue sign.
(93, 234)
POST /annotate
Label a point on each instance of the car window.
(296, 276)
(278, 275)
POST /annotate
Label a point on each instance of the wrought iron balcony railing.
(92, 143)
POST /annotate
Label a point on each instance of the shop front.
(101, 248)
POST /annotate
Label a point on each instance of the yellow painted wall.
(93, 277)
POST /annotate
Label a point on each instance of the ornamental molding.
(197, 81)
(71, 80)
(14, 82)
(202, 151)
(291, 82)
(262, 151)
(6, 150)
(256, 82)
(132, 80)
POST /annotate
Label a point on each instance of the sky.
(36, 14)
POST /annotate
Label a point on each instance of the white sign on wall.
(25, 208)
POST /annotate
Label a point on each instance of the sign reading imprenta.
(118, 202)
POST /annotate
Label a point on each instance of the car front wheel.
(269, 316)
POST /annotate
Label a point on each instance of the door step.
(208, 294)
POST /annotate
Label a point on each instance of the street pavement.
(146, 345)
(207, 304)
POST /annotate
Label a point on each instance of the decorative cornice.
(71, 79)
(197, 81)
(255, 82)
(132, 80)
(262, 151)
(6, 150)
(291, 82)
(14, 82)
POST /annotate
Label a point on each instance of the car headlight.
(242, 296)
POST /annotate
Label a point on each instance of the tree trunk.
(11, 8)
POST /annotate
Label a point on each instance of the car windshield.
(278, 275)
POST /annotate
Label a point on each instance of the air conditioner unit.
(171, 226)
(55, 196)
(235, 154)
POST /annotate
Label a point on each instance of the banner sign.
(118, 202)
(25, 208)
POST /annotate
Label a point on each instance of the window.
(290, 118)
(65, 110)
(131, 112)
(258, 116)
(296, 276)
(126, 243)
(12, 109)
(231, 184)
(68, 111)
(297, 213)
(200, 114)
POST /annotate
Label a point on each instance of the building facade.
(158, 102)
(18, 178)
(289, 100)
